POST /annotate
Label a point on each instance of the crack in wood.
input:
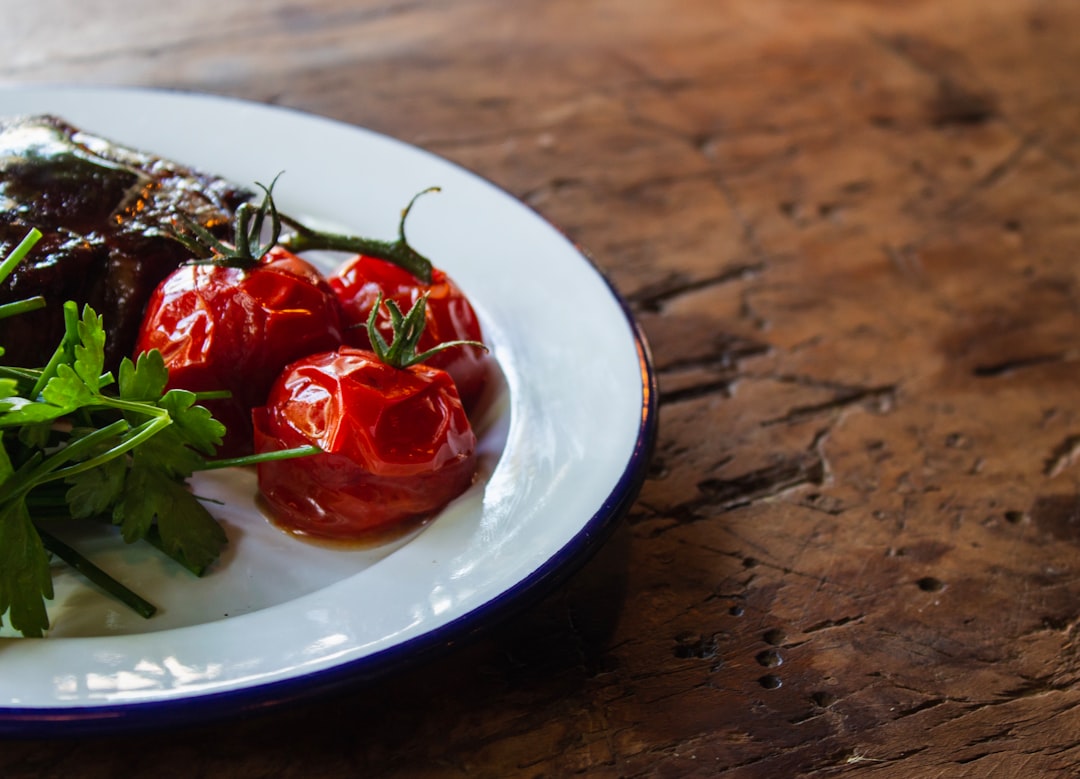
(993, 370)
(990, 738)
(1063, 456)
(828, 624)
(653, 297)
(721, 365)
(729, 351)
(719, 386)
(1031, 688)
(722, 495)
(800, 719)
(812, 382)
(883, 397)
(933, 703)
(763, 483)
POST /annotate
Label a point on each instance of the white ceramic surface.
(564, 443)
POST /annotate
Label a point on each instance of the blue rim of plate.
(62, 722)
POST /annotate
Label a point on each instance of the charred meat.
(106, 213)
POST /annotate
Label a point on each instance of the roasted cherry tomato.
(359, 282)
(397, 272)
(234, 321)
(396, 443)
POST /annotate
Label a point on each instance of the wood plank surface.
(850, 231)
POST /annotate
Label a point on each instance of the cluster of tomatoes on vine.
(377, 364)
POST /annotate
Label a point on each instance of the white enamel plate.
(565, 437)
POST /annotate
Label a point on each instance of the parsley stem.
(26, 377)
(134, 406)
(255, 459)
(65, 348)
(44, 469)
(212, 395)
(82, 564)
(21, 306)
(19, 252)
(141, 433)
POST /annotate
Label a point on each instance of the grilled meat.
(105, 212)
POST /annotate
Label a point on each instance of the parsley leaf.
(92, 493)
(122, 452)
(144, 379)
(187, 529)
(25, 580)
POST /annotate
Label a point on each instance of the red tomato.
(449, 316)
(233, 328)
(396, 444)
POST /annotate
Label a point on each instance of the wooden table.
(851, 232)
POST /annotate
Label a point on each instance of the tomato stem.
(247, 248)
(400, 252)
(406, 330)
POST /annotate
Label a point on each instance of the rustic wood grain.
(850, 230)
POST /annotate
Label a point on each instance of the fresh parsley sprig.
(77, 442)
(121, 449)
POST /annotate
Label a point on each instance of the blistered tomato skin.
(397, 445)
(449, 317)
(227, 328)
